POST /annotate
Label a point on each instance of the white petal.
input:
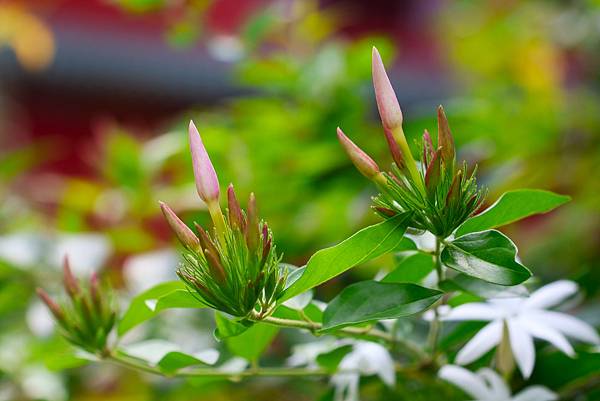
(543, 331)
(466, 380)
(234, 365)
(522, 347)
(495, 383)
(486, 339)
(535, 393)
(474, 311)
(551, 295)
(569, 325)
(346, 386)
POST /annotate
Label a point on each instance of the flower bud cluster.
(439, 195)
(87, 317)
(233, 268)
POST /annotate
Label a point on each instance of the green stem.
(356, 332)
(212, 372)
(436, 324)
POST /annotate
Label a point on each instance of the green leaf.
(412, 269)
(251, 343)
(175, 360)
(487, 255)
(367, 244)
(330, 360)
(149, 303)
(369, 301)
(475, 286)
(513, 206)
(227, 327)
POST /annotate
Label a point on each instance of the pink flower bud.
(445, 140)
(236, 217)
(387, 103)
(183, 233)
(53, 306)
(360, 159)
(70, 282)
(207, 182)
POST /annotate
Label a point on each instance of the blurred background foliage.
(519, 79)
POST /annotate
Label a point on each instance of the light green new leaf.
(487, 255)
(369, 301)
(252, 342)
(146, 305)
(227, 327)
(513, 206)
(367, 244)
(412, 269)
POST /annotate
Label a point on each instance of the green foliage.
(370, 301)
(412, 268)
(513, 206)
(487, 255)
(365, 245)
(149, 303)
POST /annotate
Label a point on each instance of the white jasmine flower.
(525, 318)
(487, 385)
(366, 358)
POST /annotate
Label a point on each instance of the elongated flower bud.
(387, 103)
(236, 217)
(445, 140)
(433, 174)
(252, 233)
(207, 182)
(215, 264)
(183, 233)
(95, 292)
(70, 282)
(53, 306)
(363, 163)
(453, 192)
(394, 149)
(428, 149)
(205, 241)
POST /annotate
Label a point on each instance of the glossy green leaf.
(251, 343)
(363, 246)
(475, 286)
(411, 269)
(149, 303)
(487, 255)
(513, 206)
(369, 301)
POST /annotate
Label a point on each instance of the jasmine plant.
(452, 265)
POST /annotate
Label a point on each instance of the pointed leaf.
(363, 246)
(251, 343)
(513, 206)
(487, 255)
(412, 269)
(369, 301)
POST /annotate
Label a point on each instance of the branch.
(133, 363)
(355, 332)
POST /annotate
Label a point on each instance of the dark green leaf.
(487, 255)
(513, 206)
(363, 246)
(412, 269)
(369, 301)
